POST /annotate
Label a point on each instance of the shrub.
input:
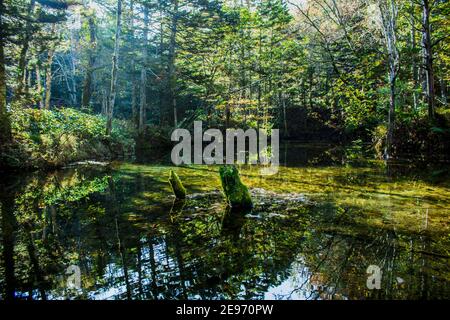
(50, 138)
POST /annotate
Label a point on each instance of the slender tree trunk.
(115, 69)
(134, 111)
(414, 68)
(48, 73)
(87, 85)
(39, 86)
(391, 117)
(311, 82)
(227, 115)
(428, 59)
(161, 54)
(104, 102)
(73, 86)
(24, 50)
(389, 14)
(48, 79)
(286, 131)
(443, 85)
(29, 75)
(171, 69)
(73, 94)
(143, 101)
(5, 125)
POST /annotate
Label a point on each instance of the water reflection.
(132, 241)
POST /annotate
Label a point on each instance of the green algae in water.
(131, 241)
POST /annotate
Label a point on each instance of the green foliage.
(58, 137)
(379, 139)
(317, 70)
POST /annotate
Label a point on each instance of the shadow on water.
(315, 229)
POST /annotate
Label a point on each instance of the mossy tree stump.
(236, 192)
(177, 186)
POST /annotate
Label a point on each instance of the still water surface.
(317, 225)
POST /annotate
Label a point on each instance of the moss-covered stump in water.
(237, 193)
(177, 187)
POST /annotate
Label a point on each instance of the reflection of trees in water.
(339, 256)
(197, 250)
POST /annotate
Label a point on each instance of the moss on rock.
(236, 192)
(177, 186)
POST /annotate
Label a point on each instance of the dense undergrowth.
(416, 139)
(53, 138)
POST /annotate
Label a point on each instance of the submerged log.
(236, 192)
(177, 187)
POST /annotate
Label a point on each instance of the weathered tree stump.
(177, 186)
(236, 192)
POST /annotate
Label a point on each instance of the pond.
(317, 226)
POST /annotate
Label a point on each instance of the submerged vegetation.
(309, 238)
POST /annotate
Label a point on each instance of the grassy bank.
(54, 138)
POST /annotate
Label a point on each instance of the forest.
(80, 72)
(91, 91)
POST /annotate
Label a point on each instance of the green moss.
(399, 200)
(236, 192)
(177, 186)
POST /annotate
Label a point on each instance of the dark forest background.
(88, 79)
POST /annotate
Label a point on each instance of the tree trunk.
(177, 186)
(104, 102)
(414, 68)
(5, 125)
(286, 131)
(443, 89)
(428, 59)
(310, 82)
(48, 72)
(73, 87)
(237, 194)
(143, 101)
(115, 69)
(162, 94)
(87, 85)
(39, 86)
(171, 69)
(389, 14)
(134, 110)
(23, 52)
(391, 117)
